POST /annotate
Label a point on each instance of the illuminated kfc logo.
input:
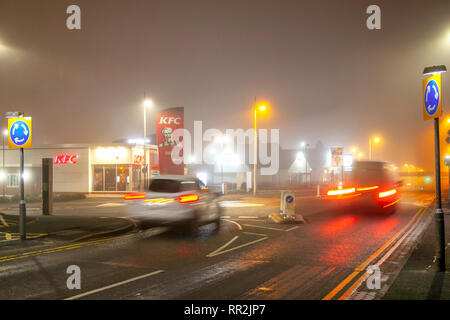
(169, 120)
(65, 159)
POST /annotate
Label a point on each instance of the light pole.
(5, 133)
(147, 104)
(256, 108)
(375, 140)
(439, 213)
(305, 145)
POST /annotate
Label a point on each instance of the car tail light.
(340, 192)
(186, 198)
(368, 188)
(385, 194)
(134, 196)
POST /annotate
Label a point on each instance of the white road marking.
(235, 248)
(256, 234)
(247, 217)
(111, 204)
(239, 226)
(115, 285)
(269, 228)
(239, 204)
(215, 252)
(293, 228)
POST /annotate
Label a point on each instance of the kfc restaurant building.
(81, 168)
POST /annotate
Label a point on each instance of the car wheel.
(192, 227)
(218, 220)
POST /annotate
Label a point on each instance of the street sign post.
(432, 109)
(432, 102)
(20, 137)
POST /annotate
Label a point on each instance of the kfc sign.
(167, 121)
(65, 159)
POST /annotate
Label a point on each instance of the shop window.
(13, 181)
(123, 178)
(98, 178)
(110, 178)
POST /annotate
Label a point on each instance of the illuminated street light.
(375, 140)
(261, 108)
(147, 104)
(434, 70)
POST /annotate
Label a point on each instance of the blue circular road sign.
(19, 133)
(431, 97)
(289, 199)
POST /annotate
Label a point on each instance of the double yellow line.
(361, 268)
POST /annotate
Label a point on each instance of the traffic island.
(287, 210)
(62, 228)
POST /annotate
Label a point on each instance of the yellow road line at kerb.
(2, 219)
(50, 250)
(366, 274)
(362, 266)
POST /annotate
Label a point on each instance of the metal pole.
(22, 207)
(439, 214)
(221, 164)
(4, 173)
(306, 167)
(143, 144)
(255, 152)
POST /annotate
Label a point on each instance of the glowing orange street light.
(262, 108)
(375, 140)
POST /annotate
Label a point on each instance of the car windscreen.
(165, 186)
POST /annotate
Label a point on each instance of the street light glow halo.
(148, 103)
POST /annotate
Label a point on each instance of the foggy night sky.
(326, 76)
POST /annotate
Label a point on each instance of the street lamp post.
(305, 145)
(255, 152)
(375, 140)
(147, 104)
(255, 147)
(5, 133)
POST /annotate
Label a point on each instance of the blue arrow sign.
(19, 133)
(431, 97)
(289, 199)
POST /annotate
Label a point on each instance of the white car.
(177, 200)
